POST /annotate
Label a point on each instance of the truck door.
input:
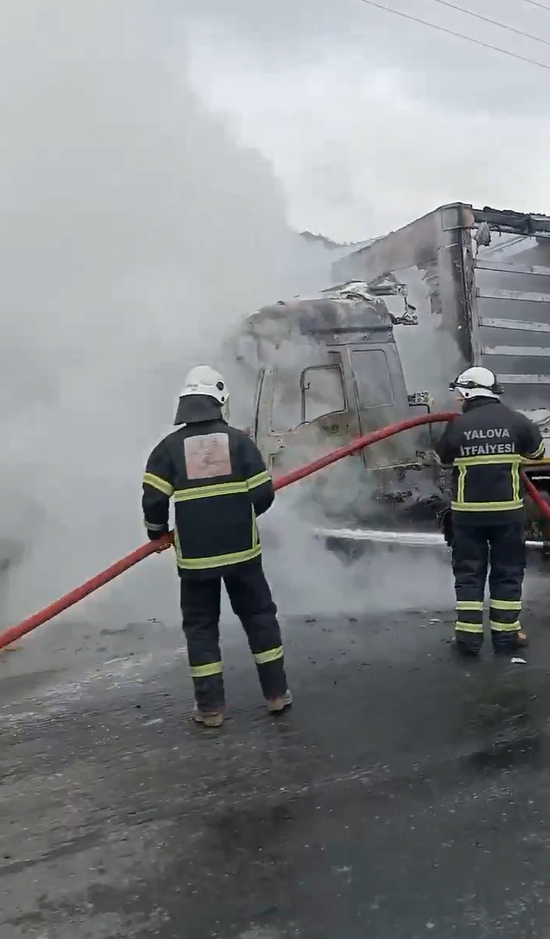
(303, 414)
(381, 399)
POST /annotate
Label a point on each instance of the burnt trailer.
(482, 276)
(410, 310)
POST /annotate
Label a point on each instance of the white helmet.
(203, 394)
(477, 382)
(205, 380)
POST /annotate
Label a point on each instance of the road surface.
(406, 796)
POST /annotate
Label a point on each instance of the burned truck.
(457, 287)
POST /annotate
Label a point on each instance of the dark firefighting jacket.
(218, 482)
(485, 446)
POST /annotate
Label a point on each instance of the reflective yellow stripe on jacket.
(537, 454)
(206, 492)
(258, 480)
(221, 560)
(463, 463)
(157, 482)
(202, 492)
(220, 489)
(205, 564)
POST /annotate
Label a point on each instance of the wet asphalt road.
(406, 796)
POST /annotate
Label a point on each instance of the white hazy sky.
(371, 120)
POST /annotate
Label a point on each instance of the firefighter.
(219, 484)
(486, 523)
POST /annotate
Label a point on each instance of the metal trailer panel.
(512, 300)
(488, 278)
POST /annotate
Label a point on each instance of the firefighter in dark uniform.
(486, 522)
(219, 484)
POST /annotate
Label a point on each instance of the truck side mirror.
(420, 399)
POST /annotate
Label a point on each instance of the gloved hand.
(157, 535)
(445, 520)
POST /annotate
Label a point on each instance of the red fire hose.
(90, 586)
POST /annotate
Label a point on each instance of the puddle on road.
(508, 715)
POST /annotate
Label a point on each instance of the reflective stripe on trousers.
(474, 547)
(205, 671)
(270, 655)
(469, 616)
(505, 615)
(251, 601)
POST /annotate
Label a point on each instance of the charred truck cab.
(457, 287)
(327, 370)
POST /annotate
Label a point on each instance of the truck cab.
(327, 370)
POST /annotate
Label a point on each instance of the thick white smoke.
(133, 232)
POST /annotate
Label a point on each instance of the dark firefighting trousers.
(477, 550)
(251, 601)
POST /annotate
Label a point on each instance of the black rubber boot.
(508, 643)
(467, 644)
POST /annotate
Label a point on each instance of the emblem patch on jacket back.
(207, 456)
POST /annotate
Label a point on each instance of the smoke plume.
(134, 232)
